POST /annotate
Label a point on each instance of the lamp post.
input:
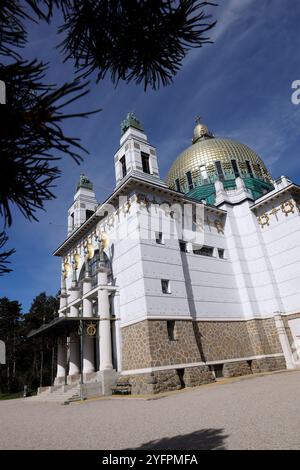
(81, 355)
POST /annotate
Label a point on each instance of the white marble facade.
(252, 271)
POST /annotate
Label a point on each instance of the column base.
(107, 378)
(73, 379)
(59, 381)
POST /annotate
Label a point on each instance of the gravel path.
(257, 413)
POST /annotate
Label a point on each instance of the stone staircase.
(59, 394)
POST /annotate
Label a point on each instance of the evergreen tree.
(28, 361)
(10, 330)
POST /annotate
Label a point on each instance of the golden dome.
(201, 157)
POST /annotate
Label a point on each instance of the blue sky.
(240, 85)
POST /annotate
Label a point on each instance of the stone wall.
(268, 364)
(147, 344)
(135, 346)
(235, 369)
(264, 337)
(168, 380)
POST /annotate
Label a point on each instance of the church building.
(174, 283)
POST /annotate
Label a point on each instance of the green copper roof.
(84, 182)
(131, 121)
(207, 192)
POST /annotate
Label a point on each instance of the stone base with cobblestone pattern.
(168, 380)
(235, 369)
(268, 364)
(194, 376)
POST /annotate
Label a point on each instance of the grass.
(11, 396)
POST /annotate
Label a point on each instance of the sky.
(240, 85)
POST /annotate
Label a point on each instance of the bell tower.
(84, 204)
(136, 156)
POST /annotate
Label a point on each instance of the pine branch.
(32, 138)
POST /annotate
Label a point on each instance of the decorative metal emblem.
(287, 207)
(263, 220)
(91, 329)
(219, 226)
(274, 212)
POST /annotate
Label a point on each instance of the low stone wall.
(268, 364)
(168, 380)
(194, 376)
(235, 369)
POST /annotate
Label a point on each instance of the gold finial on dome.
(201, 131)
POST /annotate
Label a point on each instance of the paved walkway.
(257, 413)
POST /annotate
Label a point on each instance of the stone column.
(87, 303)
(88, 341)
(63, 298)
(104, 327)
(284, 341)
(61, 359)
(74, 295)
(74, 367)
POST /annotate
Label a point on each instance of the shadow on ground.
(204, 439)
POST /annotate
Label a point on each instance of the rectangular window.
(190, 179)
(219, 171)
(204, 251)
(165, 286)
(177, 183)
(221, 253)
(159, 238)
(203, 173)
(72, 221)
(183, 246)
(145, 163)
(171, 330)
(123, 166)
(88, 214)
(249, 168)
(235, 168)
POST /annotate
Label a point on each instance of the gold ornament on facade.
(66, 269)
(219, 226)
(90, 250)
(274, 212)
(103, 241)
(287, 208)
(91, 329)
(126, 207)
(76, 260)
(263, 220)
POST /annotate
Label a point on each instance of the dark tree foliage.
(31, 137)
(4, 255)
(142, 41)
(28, 361)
